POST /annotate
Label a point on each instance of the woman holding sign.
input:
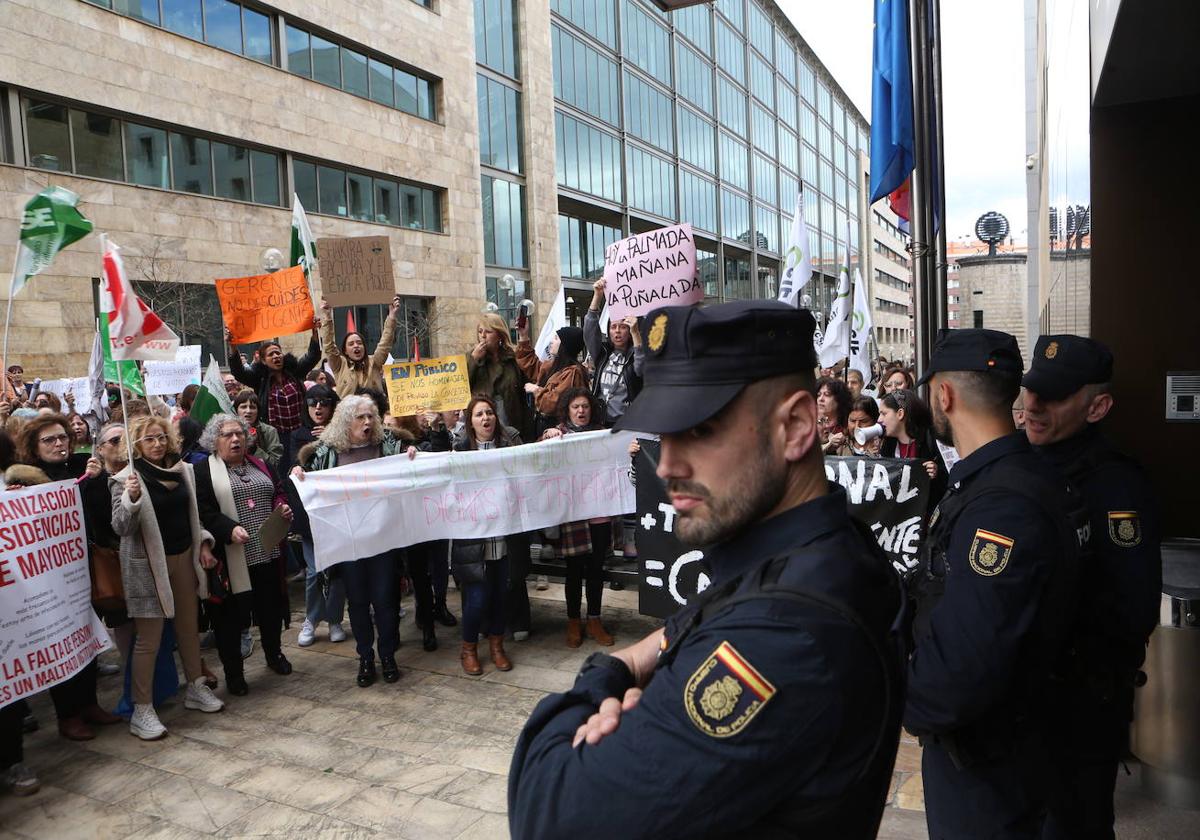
(352, 367)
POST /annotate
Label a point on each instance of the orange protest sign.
(266, 305)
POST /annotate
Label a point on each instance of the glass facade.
(336, 191)
(755, 120)
(225, 24)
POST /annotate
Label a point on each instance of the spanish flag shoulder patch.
(725, 693)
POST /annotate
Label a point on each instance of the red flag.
(350, 322)
(134, 331)
(901, 200)
(416, 356)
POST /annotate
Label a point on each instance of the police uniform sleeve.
(746, 697)
(998, 560)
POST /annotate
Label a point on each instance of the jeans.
(483, 604)
(371, 588)
(318, 606)
(518, 592)
(590, 567)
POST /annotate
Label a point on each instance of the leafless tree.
(191, 309)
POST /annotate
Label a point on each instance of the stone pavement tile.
(226, 729)
(908, 758)
(163, 830)
(301, 787)
(301, 748)
(902, 825)
(411, 817)
(201, 760)
(57, 814)
(911, 795)
(482, 791)
(531, 676)
(193, 804)
(489, 760)
(103, 778)
(117, 742)
(274, 820)
(489, 827)
(421, 777)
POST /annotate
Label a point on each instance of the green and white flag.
(124, 372)
(51, 223)
(304, 247)
(211, 398)
(797, 263)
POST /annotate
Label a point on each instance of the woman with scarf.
(164, 555)
(494, 372)
(352, 367)
(264, 442)
(236, 493)
(584, 544)
(549, 380)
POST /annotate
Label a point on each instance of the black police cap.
(699, 358)
(973, 350)
(1062, 364)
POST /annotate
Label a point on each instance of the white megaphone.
(865, 435)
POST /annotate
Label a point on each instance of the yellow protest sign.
(439, 384)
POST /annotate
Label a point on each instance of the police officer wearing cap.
(769, 706)
(1066, 396)
(995, 601)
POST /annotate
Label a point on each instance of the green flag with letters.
(51, 222)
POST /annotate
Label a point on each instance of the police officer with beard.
(769, 706)
(994, 605)
(1066, 397)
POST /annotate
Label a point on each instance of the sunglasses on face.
(323, 403)
(111, 440)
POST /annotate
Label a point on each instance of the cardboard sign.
(888, 495)
(364, 509)
(356, 270)
(172, 377)
(649, 270)
(432, 385)
(80, 388)
(266, 305)
(50, 630)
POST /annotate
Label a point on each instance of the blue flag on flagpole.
(891, 100)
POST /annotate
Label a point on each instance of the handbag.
(467, 561)
(219, 589)
(108, 591)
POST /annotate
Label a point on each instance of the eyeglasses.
(236, 433)
(323, 403)
(153, 439)
(54, 439)
(111, 440)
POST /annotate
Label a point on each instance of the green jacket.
(321, 456)
(502, 380)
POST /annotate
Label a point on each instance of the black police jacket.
(997, 601)
(766, 716)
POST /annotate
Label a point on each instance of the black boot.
(235, 684)
(428, 638)
(443, 615)
(391, 671)
(366, 672)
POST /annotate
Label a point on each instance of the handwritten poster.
(266, 305)
(356, 270)
(439, 384)
(653, 269)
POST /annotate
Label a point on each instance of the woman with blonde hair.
(164, 554)
(494, 372)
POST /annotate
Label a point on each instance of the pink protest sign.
(652, 269)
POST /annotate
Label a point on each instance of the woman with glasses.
(355, 434)
(236, 493)
(319, 604)
(164, 555)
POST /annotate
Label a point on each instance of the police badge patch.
(989, 553)
(1125, 527)
(658, 334)
(725, 693)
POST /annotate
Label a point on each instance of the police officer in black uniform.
(994, 605)
(1066, 396)
(769, 706)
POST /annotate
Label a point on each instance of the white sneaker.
(337, 633)
(543, 583)
(145, 723)
(247, 644)
(200, 697)
(19, 780)
(307, 634)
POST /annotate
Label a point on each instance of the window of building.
(839, 119)
(807, 82)
(698, 201)
(735, 216)
(731, 107)
(496, 36)
(808, 163)
(766, 228)
(735, 162)
(225, 24)
(648, 113)
(732, 9)
(764, 128)
(824, 101)
(739, 285)
(824, 139)
(339, 192)
(785, 103)
(499, 124)
(760, 33)
(785, 57)
(808, 125)
(695, 23)
(588, 159)
(647, 44)
(415, 323)
(595, 17)
(581, 246)
(585, 78)
(789, 188)
(765, 176)
(146, 157)
(977, 316)
(97, 145)
(649, 182)
(376, 77)
(503, 223)
(694, 78)
(762, 80)
(731, 52)
(697, 140)
(789, 150)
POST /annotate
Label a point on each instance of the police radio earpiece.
(863, 436)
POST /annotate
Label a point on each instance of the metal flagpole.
(8, 317)
(938, 166)
(922, 217)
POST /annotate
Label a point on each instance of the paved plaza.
(313, 756)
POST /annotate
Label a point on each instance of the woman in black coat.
(908, 433)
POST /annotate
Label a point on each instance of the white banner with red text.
(48, 629)
(364, 509)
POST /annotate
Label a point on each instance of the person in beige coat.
(164, 554)
(352, 368)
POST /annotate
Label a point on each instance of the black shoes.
(366, 672)
(428, 638)
(236, 684)
(443, 616)
(391, 671)
(279, 664)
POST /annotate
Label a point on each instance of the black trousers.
(518, 593)
(419, 561)
(265, 602)
(72, 696)
(590, 568)
(1094, 737)
(371, 593)
(12, 718)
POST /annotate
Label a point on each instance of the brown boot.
(74, 729)
(96, 716)
(470, 658)
(499, 658)
(574, 633)
(596, 630)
